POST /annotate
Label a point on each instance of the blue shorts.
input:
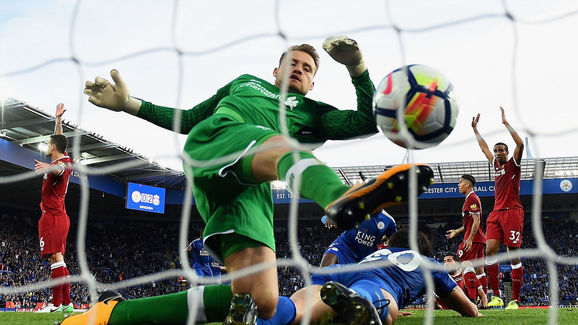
(366, 284)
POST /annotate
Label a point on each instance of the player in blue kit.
(376, 295)
(203, 263)
(355, 244)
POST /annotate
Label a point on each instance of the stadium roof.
(29, 127)
(450, 172)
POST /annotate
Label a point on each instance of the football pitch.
(503, 317)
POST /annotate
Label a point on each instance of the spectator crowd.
(129, 249)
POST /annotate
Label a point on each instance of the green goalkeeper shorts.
(225, 202)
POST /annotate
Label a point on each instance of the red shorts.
(52, 232)
(478, 251)
(506, 226)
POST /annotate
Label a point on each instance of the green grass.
(502, 317)
(30, 318)
(494, 316)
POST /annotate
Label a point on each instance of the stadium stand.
(119, 252)
(118, 240)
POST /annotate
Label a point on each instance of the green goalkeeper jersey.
(255, 101)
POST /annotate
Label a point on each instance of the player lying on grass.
(355, 244)
(456, 271)
(371, 296)
(376, 295)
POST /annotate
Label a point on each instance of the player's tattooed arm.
(58, 125)
(454, 232)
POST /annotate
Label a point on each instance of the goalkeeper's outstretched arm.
(114, 97)
(346, 51)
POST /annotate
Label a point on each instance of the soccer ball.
(427, 104)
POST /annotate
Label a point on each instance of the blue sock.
(367, 289)
(285, 314)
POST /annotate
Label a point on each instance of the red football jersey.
(458, 278)
(472, 205)
(507, 189)
(54, 187)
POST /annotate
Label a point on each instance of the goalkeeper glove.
(114, 97)
(346, 51)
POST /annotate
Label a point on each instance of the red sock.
(56, 272)
(517, 274)
(66, 288)
(492, 270)
(484, 282)
(471, 283)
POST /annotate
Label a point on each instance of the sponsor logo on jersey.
(500, 172)
(364, 238)
(291, 102)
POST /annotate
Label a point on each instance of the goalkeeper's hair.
(60, 142)
(400, 239)
(303, 48)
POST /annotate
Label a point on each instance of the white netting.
(178, 54)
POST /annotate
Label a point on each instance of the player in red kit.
(474, 243)
(54, 223)
(456, 272)
(506, 222)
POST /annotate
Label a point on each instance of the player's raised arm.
(114, 97)
(481, 141)
(346, 51)
(58, 125)
(519, 143)
(338, 124)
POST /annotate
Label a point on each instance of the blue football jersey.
(401, 276)
(203, 263)
(355, 244)
(406, 278)
(215, 267)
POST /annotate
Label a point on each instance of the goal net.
(513, 54)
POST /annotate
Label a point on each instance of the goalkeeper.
(234, 197)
